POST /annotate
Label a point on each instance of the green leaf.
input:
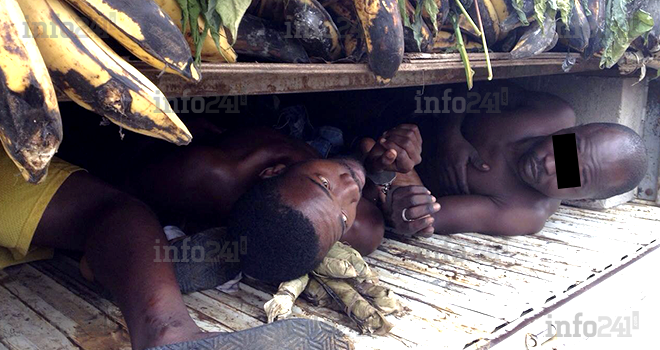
(194, 10)
(183, 5)
(432, 9)
(585, 7)
(460, 45)
(417, 31)
(404, 13)
(518, 5)
(231, 12)
(565, 8)
(540, 7)
(214, 23)
(620, 31)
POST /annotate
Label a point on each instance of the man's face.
(599, 159)
(327, 192)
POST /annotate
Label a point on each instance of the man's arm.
(481, 214)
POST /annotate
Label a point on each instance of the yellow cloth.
(21, 206)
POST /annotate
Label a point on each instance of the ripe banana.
(143, 29)
(445, 42)
(83, 67)
(344, 15)
(210, 52)
(307, 21)
(536, 39)
(383, 32)
(489, 19)
(30, 123)
(259, 39)
(512, 19)
(503, 9)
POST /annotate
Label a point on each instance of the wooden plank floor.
(461, 289)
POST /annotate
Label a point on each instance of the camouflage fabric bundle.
(345, 282)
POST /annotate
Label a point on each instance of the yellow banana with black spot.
(489, 19)
(444, 42)
(512, 19)
(383, 32)
(83, 67)
(345, 18)
(536, 39)
(145, 30)
(30, 123)
(210, 51)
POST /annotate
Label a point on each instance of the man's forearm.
(480, 214)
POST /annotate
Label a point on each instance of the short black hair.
(634, 157)
(281, 242)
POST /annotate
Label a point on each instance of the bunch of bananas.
(46, 45)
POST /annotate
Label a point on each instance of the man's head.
(292, 217)
(612, 160)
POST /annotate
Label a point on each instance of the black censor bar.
(566, 161)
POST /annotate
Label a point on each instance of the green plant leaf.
(540, 7)
(565, 8)
(404, 13)
(432, 9)
(460, 45)
(231, 12)
(620, 31)
(518, 5)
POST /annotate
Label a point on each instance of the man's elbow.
(516, 228)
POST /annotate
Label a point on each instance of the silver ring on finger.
(404, 217)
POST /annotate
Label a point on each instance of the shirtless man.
(495, 173)
(287, 204)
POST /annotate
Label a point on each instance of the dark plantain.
(258, 38)
(383, 32)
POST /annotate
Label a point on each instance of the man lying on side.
(494, 173)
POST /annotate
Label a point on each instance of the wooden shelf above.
(417, 70)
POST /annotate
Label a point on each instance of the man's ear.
(272, 171)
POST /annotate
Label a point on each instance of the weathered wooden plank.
(59, 270)
(460, 288)
(85, 325)
(21, 328)
(223, 314)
